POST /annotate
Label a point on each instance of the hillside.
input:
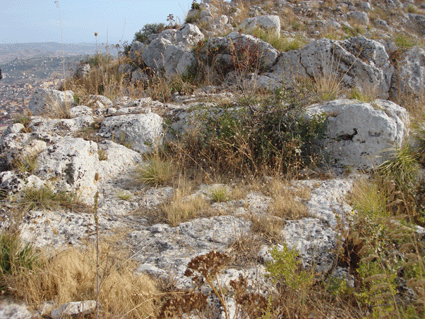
(263, 160)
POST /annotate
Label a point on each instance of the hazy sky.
(38, 20)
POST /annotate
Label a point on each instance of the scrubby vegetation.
(257, 140)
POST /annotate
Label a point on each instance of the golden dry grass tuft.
(70, 275)
(182, 208)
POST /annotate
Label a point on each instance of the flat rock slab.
(165, 251)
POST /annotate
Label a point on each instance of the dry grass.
(182, 208)
(70, 275)
(156, 170)
(57, 110)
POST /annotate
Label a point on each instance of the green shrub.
(15, 257)
(404, 42)
(236, 140)
(147, 30)
(286, 269)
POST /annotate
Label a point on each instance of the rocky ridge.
(358, 135)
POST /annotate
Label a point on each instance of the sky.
(115, 21)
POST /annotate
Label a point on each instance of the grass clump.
(404, 42)
(219, 194)
(26, 164)
(45, 198)
(16, 258)
(70, 275)
(155, 171)
(124, 195)
(279, 43)
(181, 209)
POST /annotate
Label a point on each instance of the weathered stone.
(261, 52)
(140, 131)
(82, 70)
(359, 134)
(410, 75)
(139, 76)
(71, 164)
(136, 52)
(178, 245)
(357, 62)
(43, 101)
(80, 110)
(14, 311)
(359, 17)
(270, 23)
(418, 20)
(78, 308)
(41, 124)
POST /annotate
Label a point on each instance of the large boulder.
(71, 164)
(136, 51)
(418, 21)
(410, 76)
(236, 51)
(141, 132)
(355, 62)
(360, 134)
(169, 51)
(270, 23)
(46, 101)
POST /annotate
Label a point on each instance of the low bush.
(240, 140)
(147, 30)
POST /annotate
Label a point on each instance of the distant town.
(35, 67)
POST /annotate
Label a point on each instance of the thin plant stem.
(96, 219)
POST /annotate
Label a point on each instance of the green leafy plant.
(286, 268)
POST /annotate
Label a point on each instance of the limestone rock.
(136, 51)
(41, 124)
(270, 23)
(82, 70)
(140, 131)
(418, 20)
(359, 134)
(13, 128)
(178, 245)
(315, 241)
(14, 311)
(15, 146)
(44, 100)
(139, 76)
(356, 61)
(359, 17)
(233, 43)
(410, 77)
(80, 110)
(72, 164)
(78, 308)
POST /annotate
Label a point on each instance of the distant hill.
(9, 52)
